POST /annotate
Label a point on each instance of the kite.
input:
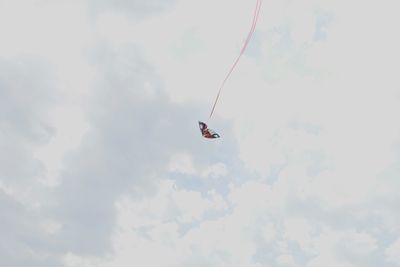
(206, 132)
(203, 127)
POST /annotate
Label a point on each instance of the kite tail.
(249, 35)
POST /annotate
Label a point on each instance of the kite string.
(250, 34)
(253, 26)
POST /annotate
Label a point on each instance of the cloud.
(26, 89)
(102, 163)
(130, 140)
(134, 9)
(392, 254)
(27, 94)
(129, 130)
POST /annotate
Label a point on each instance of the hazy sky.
(102, 163)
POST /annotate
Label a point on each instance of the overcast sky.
(102, 163)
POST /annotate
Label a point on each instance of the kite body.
(206, 132)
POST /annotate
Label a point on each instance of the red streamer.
(249, 35)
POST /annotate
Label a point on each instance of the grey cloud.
(134, 130)
(23, 242)
(133, 135)
(27, 93)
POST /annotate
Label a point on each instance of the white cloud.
(215, 170)
(51, 227)
(392, 252)
(182, 164)
(286, 260)
(269, 232)
(300, 231)
(69, 126)
(360, 243)
(325, 245)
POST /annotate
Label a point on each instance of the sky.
(102, 163)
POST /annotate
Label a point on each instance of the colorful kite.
(206, 132)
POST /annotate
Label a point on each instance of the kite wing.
(202, 126)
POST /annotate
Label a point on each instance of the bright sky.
(102, 163)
